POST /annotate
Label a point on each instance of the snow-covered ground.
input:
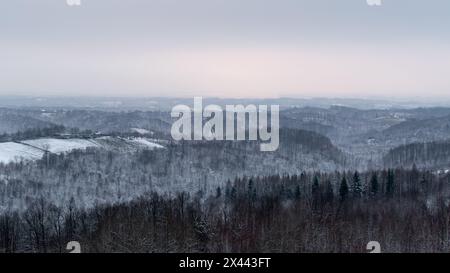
(11, 151)
(141, 131)
(34, 149)
(56, 146)
(145, 142)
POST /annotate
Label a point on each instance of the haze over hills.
(166, 103)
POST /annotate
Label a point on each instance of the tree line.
(404, 210)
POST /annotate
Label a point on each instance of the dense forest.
(50, 131)
(405, 210)
(432, 155)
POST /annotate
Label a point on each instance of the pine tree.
(228, 188)
(356, 186)
(315, 187)
(218, 192)
(329, 193)
(233, 194)
(298, 192)
(343, 189)
(250, 187)
(251, 190)
(315, 191)
(373, 185)
(390, 183)
(424, 183)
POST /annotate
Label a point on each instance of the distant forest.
(424, 155)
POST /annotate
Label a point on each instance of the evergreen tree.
(315, 187)
(315, 191)
(390, 183)
(373, 185)
(228, 188)
(343, 189)
(329, 193)
(356, 185)
(233, 194)
(251, 190)
(218, 192)
(298, 192)
(424, 183)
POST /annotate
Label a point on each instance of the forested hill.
(419, 130)
(99, 175)
(11, 122)
(301, 141)
(107, 122)
(424, 155)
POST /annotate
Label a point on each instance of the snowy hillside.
(34, 149)
(11, 151)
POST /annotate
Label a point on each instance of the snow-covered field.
(56, 146)
(141, 131)
(11, 151)
(34, 149)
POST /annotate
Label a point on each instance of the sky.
(225, 48)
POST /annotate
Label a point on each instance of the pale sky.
(225, 48)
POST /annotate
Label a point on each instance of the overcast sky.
(225, 48)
